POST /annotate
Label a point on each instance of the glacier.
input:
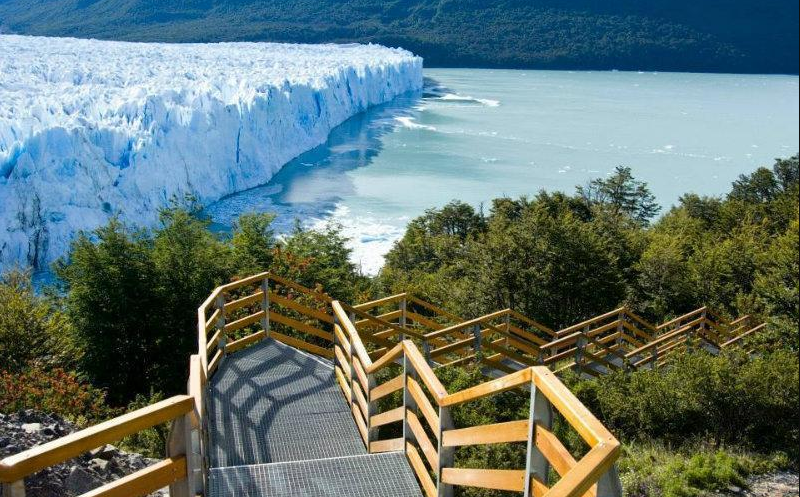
(93, 129)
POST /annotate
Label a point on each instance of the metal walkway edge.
(279, 425)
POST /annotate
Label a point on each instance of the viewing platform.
(293, 393)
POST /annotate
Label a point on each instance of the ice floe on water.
(91, 129)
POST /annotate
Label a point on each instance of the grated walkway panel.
(273, 403)
(374, 475)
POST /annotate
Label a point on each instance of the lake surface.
(475, 135)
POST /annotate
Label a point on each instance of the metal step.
(372, 475)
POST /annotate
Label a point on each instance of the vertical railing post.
(14, 489)
(408, 402)
(476, 333)
(180, 444)
(403, 316)
(265, 306)
(219, 303)
(426, 351)
(541, 413)
(372, 409)
(508, 329)
(609, 484)
(446, 454)
(579, 346)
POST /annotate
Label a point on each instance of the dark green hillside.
(686, 35)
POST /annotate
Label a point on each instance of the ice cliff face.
(90, 129)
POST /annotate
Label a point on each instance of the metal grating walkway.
(272, 403)
(280, 426)
(374, 475)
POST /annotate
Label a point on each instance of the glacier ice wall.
(90, 129)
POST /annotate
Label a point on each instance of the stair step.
(370, 475)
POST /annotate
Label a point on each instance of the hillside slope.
(686, 35)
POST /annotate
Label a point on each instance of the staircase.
(292, 393)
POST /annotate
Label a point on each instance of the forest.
(128, 297)
(743, 36)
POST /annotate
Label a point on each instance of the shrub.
(32, 331)
(55, 391)
(727, 400)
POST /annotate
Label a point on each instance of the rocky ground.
(26, 429)
(781, 484)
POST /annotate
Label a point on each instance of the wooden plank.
(361, 401)
(214, 363)
(419, 318)
(532, 322)
(490, 387)
(213, 343)
(588, 322)
(300, 326)
(576, 414)
(430, 415)
(301, 308)
(256, 278)
(20, 465)
(466, 324)
(343, 383)
(391, 445)
(588, 471)
(321, 297)
(340, 338)
(428, 449)
(452, 347)
(512, 431)
(362, 426)
(526, 335)
(145, 481)
(424, 371)
(386, 388)
(244, 342)
(379, 302)
(294, 342)
(679, 319)
(361, 376)
(434, 309)
(553, 450)
(388, 417)
(256, 298)
(512, 480)
(212, 321)
(421, 471)
(386, 359)
(244, 322)
(343, 359)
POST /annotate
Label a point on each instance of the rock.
(26, 429)
(80, 481)
(32, 427)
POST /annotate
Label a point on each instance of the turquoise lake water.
(475, 135)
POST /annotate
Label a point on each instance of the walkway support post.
(541, 413)
(446, 454)
(265, 306)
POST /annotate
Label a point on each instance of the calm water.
(475, 135)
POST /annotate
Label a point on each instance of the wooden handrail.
(18, 466)
(588, 322)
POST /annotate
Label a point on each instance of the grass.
(656, 470)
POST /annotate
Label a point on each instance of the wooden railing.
(179, 471)
(404, 332)
(429, 438)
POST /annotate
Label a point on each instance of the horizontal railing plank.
(144, 481)
(512, 431)
(35, 459)
(511, 480)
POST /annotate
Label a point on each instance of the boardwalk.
(279, 425)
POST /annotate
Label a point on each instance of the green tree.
(113, 300)
(33, 331)
(622, 194)
(253, 242)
